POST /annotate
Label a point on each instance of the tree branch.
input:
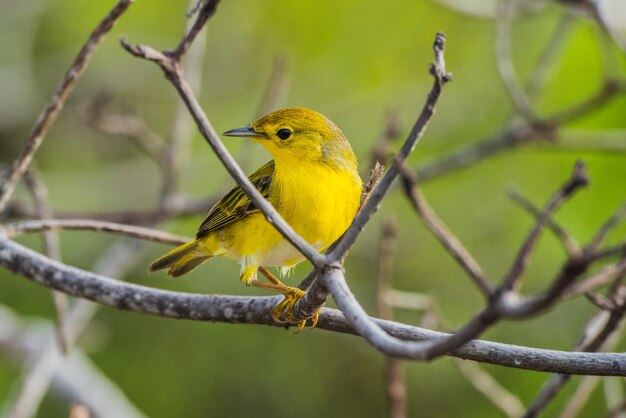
(52, 248)
(505, 61)
(445, 237)
(438, 71)
(589, 344)
(55, 104)
(569, 243)
(579, 179)
(256, 310)
(18, 228)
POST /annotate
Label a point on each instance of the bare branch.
(182, 207)
(236, 309)
(131, 126)
(611, 223)
(18, 228)
(505, 61)
(490, 388)
(394, 368)
(205, 13)
(615, 250)
(604, 276)
(438, 70)
(607, 92)
(517, 134)
(504, 302)
(569, 243)
(445, 237)
(381, 152)
(386, 252)
(55, 104)
(580, 397)
(579, 179)
(52, 248)
(176, 152)
(409, 300)
(468, 155)
(545, 63)
(589, 343)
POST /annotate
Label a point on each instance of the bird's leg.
(285, 308)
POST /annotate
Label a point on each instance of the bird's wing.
(236, 204)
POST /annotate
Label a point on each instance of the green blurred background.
(354, 62)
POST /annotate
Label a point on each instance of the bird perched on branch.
(312, 182)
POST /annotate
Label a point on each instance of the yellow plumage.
(312, 182)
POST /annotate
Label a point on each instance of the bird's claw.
(283, 312)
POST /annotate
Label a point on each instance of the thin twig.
(607, 92)
(206, 12)
(445, 237)
(601, 278)
(612, 251)
(182, 207)
(56, 102)
(176, 152)
(394, 368)
(578, 179)
(134, 127)
(381, 151)
(52, 248)
(581, 395)
(517, 134)
(18, 228)
(589, 343)
(618, 217)
(386, 252)
(490, 388)
(441, 77)
(567, 241)
(545, 64)
(468, 155)
(505, 61)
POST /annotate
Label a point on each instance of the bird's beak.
(246, 131)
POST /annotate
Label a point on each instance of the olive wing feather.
(236, 204)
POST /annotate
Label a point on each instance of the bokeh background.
(355, 63)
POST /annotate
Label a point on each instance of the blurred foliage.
(354, 64)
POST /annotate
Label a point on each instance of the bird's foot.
(283, 312)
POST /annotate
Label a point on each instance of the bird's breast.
(318, 202)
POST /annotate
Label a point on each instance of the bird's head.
(298, 135)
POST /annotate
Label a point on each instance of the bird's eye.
(283, 133)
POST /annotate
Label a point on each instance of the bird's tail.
(181, 260)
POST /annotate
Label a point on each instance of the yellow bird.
(312, 182)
